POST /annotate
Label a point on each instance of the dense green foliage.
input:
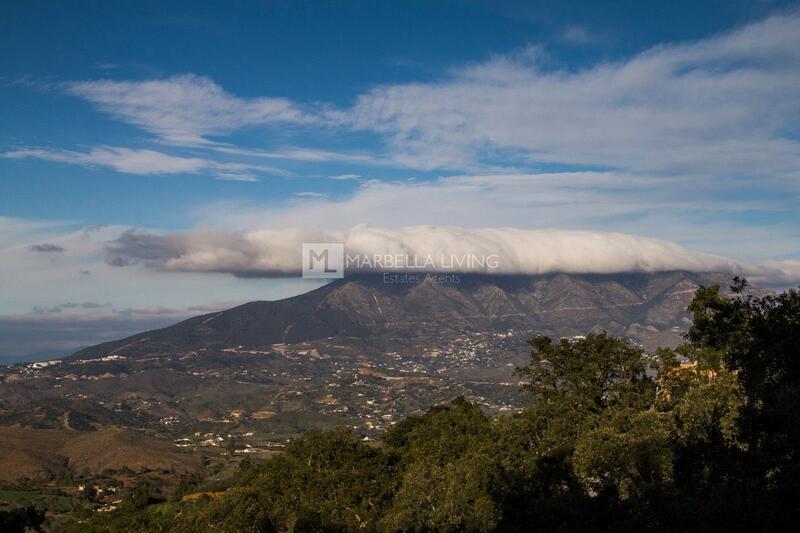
(614, 441)
(21, 519)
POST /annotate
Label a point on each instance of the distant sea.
(41, 356)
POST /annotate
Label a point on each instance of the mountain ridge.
(363, 306)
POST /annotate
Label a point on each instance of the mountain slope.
(364, 306)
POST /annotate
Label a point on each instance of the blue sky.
(310, 52)
(128, 132)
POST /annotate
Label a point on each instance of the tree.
(328, 481)
(448, 472)
(241, 510)
(588, 374)
(442, 434)
(627, 453)
(758, 339)
(21, 519)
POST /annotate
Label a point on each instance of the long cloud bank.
(277, 252)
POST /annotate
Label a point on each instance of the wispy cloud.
(185, 109)
(68, 306)
(309, 155)
(147, 162)
(723, 105)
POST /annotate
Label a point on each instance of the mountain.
(363, 352)
(650, 308)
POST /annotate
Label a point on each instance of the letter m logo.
(323, 260)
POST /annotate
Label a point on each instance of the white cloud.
(276, 252)
(723, 105)
(687, 210)
(146, 162)
(176, 274)
(120, 159)
(184, 109)
(308, 155)
(80, 273)
(58, 301)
